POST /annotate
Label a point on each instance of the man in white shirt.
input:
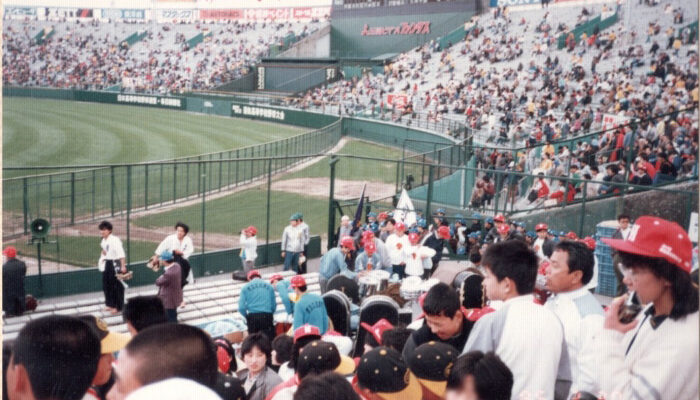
(541, 241)
(528, 337)
(292, 243)
(397, 243)
(112, 262)
(182, 248)
(570, 270)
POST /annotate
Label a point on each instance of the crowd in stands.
(92, 55)
(511, 86)
(528, 325)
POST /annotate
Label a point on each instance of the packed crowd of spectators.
(91, 55)
(517, 321)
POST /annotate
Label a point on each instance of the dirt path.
(344, 189)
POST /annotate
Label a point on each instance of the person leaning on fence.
(112, 262)
(249, 248)
(292, 243)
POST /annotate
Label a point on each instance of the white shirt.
(537, 246)
(172, 243)
(397, 248)
(626, 232)
(418, 258)
(529, 339)
(112, 248)
(581, 316)
(662, 363)
(293, 239)
(305, 232)
(250, 247)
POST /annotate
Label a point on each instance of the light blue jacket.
(311, 309)
(257, 296)
(333, 263)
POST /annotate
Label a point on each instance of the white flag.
(404, 210)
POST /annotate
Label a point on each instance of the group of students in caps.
(512, 347)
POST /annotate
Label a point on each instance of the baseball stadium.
(277, 199)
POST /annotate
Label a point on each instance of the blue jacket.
(311, 309)
(361, 262)
(283, 290)
(333, 263)
(257, 296)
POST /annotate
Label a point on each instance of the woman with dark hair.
(180, 244)
(258, 379)
(656, 354)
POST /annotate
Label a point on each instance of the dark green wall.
(211, 263)
(348, 42)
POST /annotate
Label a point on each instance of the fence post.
(331, 214)
(25, 205)
(221, 169)
(111, 190)
(72, 198)
(162, 167)
(174, 183)
(582, 218)
(267, 213)
(128, 214)
(203, 178)
(51, 197)
(93, 194)
(145, 187)
(200, 184)
(429, 197)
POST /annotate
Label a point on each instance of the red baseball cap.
(378, 329)
(370, 248)
(400, 226)
(382, 215)
(367, 234)
(499, 218)
(306, 330)
(10, 252)
(589, 241)
(572, 235)
(413, 238)
(298, 281)
(276, 277)
(347, 242)
(444, 232)
(503, 229)
(541, 227)
(253, 273)
(656, 237)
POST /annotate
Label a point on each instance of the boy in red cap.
(309, 307)
(335, 261)
(13, 273)
(656, 355)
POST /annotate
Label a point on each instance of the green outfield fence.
(221, 193)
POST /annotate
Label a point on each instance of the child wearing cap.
(397, 243)
(431, 363)
(309, 307)
(257, 304)
(249, 247)
(383, 375)
(292, 243)
(656, 355)
(335, 262)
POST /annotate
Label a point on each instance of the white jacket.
(662, 362)
(249, 245)
(397, 248)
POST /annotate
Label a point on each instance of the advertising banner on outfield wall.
(176, 15)
(20, 12)
(117, 14)
(262, 14)
(68, 13)
(502, 3)
(257, 112)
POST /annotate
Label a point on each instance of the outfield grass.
(83, 251)
(60, 132)
(230, 214)
(357, 169)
